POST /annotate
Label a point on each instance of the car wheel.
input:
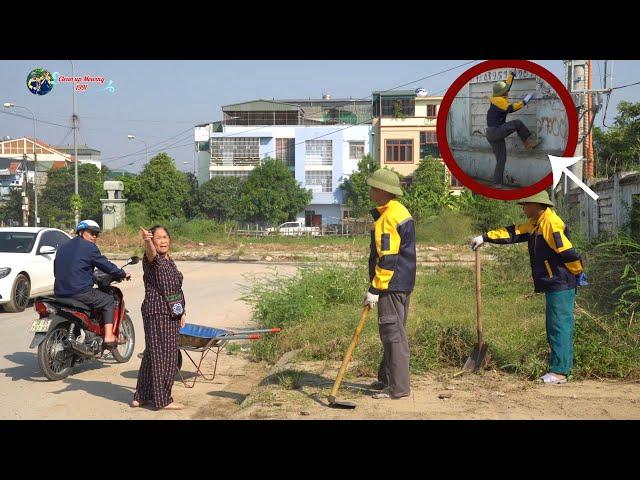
(19, 294)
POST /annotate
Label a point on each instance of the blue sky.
(159, 101)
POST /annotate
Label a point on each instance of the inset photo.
(503, 123)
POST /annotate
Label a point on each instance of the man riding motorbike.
(73, 269)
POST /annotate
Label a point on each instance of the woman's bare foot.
(136, 404)
(173, 406)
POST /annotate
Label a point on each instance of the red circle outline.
(445, 106)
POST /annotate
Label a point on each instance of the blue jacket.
(555, 264)
(392, 257)
(74, 264)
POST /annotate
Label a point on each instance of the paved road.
(102, 389)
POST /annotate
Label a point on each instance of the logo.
(177, 309)
(81, 83)
(40, 81)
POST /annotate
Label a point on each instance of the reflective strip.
(546, 264)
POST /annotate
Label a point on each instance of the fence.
(617, 208)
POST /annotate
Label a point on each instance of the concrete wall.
(545, 117)
(612, 209)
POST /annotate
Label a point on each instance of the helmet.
(500, 88)
(386, 180)
(88, 225)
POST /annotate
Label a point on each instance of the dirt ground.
(300, 390)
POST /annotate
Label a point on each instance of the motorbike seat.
(69, 302)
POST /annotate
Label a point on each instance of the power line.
(37, 119)
(625, 86)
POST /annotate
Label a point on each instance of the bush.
(487, 213)
(449, 227)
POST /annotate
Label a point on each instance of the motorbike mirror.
(133, 260)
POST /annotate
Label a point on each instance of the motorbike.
(69, 332)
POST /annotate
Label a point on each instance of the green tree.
(12, 208)
(132, 187)
(618, 148)
(191, 202)
(218, 198)
(55, 200)
(272, 194)
(356, 190)
(163, 189)
(428, 193)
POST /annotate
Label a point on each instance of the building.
(320, 140)
(48, 157)
(545, 117)
(404, 130)
(11, 175)
(85, 154)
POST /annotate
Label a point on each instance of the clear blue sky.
(158, 100)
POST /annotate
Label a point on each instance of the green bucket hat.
(386, 180)
(540, 197)
(500, 88)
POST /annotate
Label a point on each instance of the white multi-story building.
(321, 141)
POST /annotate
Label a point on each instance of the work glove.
(371, 299)
(476, 242)
(582, 280)
(527, 98)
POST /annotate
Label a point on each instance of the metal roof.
(260, 106)
(395, 93)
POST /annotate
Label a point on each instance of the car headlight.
(4, 272)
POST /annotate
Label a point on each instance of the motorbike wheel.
(124, 352)
(54, 361)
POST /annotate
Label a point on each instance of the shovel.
(333, 403)
(479, 355)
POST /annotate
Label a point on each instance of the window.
(429, 144)
(235, 151)
(229, 173)
(285, 151)
(454, 182)
(399, 151)
(431, 110)
(16, 242)
(356, 150)
(319, 180)
(318, 152)
(398, 107)
(53, 239)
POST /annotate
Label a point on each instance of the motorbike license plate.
(40, 326)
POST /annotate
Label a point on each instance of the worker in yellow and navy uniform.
(557, 271)
(392, 272)
(498, 128)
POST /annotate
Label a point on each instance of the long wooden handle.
(347, 356)
(478, 286)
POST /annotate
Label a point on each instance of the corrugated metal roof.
(260, 106)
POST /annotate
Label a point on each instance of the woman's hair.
(158, 227)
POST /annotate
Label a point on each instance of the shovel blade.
(477, 358)
(334, 403)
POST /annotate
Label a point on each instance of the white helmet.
(88, 225)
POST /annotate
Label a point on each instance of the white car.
(293, 229)
(26, 264)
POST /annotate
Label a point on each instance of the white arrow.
(560, 165)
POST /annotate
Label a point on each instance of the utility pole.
(25, 196)
(74, 123)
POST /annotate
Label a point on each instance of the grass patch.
(449, 227)
(319, 308)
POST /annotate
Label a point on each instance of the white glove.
(371, 299)
(527, 98)
(476, 242)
